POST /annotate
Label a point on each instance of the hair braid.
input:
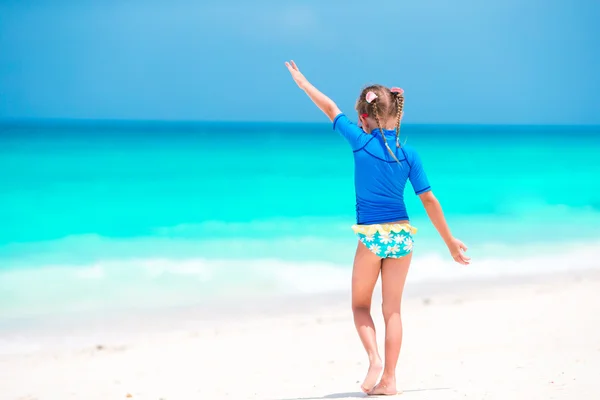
(400, 106)
(376, 114)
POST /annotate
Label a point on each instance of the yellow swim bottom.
(387, 240)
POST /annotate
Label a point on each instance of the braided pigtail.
(399, 96)
(372, 100)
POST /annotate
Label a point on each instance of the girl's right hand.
(300, 80)
(457, 248)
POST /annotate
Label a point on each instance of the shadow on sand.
(359, 395)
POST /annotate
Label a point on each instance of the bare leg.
(364, 277)
(393, 277)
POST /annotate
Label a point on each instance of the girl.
(382, 167)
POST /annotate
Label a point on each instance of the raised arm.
(323, 102)
(436, 215)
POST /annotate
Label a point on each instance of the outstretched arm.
(436, 215)
(323, 102)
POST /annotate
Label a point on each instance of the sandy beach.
(527, 338)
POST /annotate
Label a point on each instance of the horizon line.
(117, 122)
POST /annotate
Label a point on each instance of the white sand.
(512, 341)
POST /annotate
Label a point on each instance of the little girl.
(385, 237)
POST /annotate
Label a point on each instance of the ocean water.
(152, 215)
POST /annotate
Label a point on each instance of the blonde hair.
(387, 104)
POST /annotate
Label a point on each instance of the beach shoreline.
(114, 327)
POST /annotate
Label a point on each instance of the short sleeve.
(417, 176)
(355, 136)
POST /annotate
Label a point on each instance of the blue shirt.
(379, 180)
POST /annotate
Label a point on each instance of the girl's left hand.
(300, 80)
(457, 249)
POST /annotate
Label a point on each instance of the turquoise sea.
(141, 215)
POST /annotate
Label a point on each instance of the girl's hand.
(300, 80)
(322, 101)
(457, 248)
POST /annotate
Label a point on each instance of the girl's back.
(379, 178)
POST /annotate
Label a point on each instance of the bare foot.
(384, 388)
(375, 369)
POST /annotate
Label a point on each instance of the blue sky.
(462, 61)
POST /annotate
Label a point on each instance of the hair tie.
(397, 91)
(370, 97)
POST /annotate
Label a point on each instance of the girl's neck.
(388, 125)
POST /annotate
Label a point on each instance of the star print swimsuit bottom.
(387, 240)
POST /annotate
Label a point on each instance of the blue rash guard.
(379, 180)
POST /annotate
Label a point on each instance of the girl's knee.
(361, 308)
(390, 310)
